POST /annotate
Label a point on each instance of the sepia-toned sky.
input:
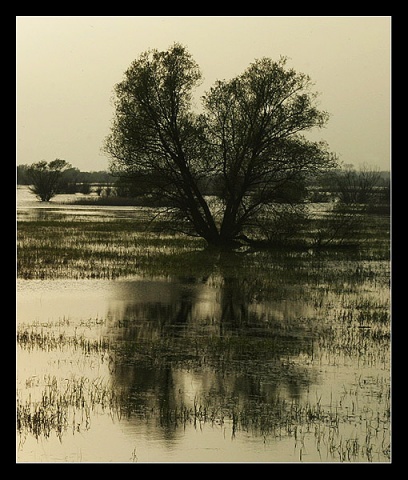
(67, 67)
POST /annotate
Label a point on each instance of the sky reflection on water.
(138, 310)
(222, 341)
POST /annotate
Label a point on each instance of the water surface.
(185, 320)
(290, 365)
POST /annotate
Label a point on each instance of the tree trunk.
(223, 241)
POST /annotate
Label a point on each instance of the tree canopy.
(45, 178)
(247, 138)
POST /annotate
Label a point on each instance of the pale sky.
(67, 67)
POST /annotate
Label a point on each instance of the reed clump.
(63, 405)
(46, 340)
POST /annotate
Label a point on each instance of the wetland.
(136, 344)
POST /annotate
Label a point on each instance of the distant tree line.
(352, 192)
(347, 185)
(58, 176)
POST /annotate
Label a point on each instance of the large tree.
(246, 139)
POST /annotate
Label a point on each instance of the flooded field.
(139, 346)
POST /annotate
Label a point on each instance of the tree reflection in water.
(211, 344)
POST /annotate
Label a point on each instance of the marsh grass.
(65, 405)
(99, 246)
(346, 321)
(98, 249)
(344, 327)
(30, 339)
(340, 432)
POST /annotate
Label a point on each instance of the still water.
(142, 311)
(211, 369)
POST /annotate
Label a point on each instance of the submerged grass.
(93, 249)
(340, 432)
(346, 321)
(108, 246)
(64, 405)
(352, 426)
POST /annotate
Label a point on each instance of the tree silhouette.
(247, 139)
(45, 178)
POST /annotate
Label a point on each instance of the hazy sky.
(67, 67)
